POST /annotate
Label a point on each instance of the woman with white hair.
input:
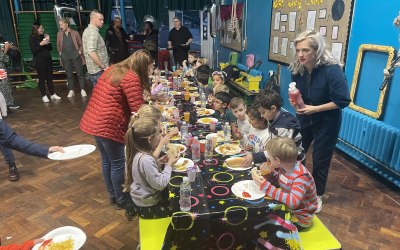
(325, 92)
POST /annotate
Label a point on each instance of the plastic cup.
(191, 173)
(214, 141)
(131, 37)
(186, 116)
(202, 146)
(213, 124)
(174, 68)
(187, 96)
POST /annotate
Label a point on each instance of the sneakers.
(83, 93)
(55, 97)
(13, 107)
(71, 93)
(13, 172)
(45, 99)
(319, 201)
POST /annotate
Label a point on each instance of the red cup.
(202, 146)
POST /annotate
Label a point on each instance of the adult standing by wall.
(116, 42)
(119, 92)
(150, 42)
(94, 47)
(325, 92)
(70, 49)
(40, 45)
(179, 41)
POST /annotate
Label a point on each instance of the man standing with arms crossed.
(94, 47)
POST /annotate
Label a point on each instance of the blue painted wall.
(371, 24)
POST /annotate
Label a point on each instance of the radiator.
(371, 142)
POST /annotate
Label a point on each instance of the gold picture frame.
(370, 47)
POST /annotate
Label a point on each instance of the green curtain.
(105, 8)
(146, 7)
(187, 4)
(6, 23)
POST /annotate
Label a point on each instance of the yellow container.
(223, 65)
(249, 82)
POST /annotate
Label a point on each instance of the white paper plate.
(207, 120)
(226, 162)
(222, 151)
(189, 164)
(247, 186)
(205, 112)
(63, 233)
(72, 152)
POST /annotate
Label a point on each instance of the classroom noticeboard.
(291, 17)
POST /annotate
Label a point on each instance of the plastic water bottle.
(295, 95)
(208, 153)
(196, 149)
(227, 132)
(203, 99)
(184, 132)
(184, 198)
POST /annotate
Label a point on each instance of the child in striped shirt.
(297, 187)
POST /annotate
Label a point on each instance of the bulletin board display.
(291, 17)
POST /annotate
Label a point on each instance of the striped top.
(297, 191)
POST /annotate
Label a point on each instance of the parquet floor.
(361, 211)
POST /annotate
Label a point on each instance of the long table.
(220, 220)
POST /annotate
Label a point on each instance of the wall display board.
(231, 26)
(291, 17)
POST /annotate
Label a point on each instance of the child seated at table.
(297, 188)
(280, 123)
(155, 113)
(258, 133)
(239, 109)
(191, 61)
(146, 180)
(202, 77)
(222, 112)
(218, 78)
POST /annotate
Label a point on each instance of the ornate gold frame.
(370, 47)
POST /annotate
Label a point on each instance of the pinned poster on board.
(292, 17)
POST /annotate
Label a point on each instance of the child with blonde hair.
(238, 108)
(151, 111)
(297, 188)
(146, 179)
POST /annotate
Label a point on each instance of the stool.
(152, 232)
(318, 237)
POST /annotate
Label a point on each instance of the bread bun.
(173, 151)
(234, 162)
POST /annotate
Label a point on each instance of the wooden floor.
(361, 211)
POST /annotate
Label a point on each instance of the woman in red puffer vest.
(118, 92)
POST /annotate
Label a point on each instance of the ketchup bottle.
(295, 95)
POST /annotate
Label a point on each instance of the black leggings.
(44, 70)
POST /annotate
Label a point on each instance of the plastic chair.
(152, 233)
(318, 237)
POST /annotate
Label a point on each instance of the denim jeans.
(113, 166)
(94, 77)
(8, 154)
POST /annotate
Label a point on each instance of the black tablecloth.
(220, 220)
